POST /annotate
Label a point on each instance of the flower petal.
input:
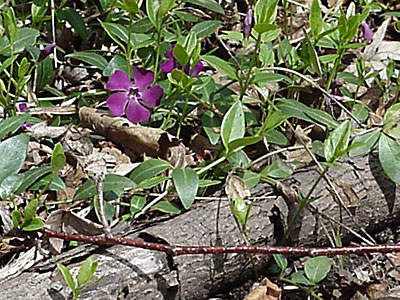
(168, 66)
(366, 30)
(151, 97)
(143, 78)
(46, 51)
(169, 54)
(197, 69)
(22, 107)
(136, 113)
(117, 103)
(119, 81)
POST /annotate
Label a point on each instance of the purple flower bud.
(248, 23)
(46, 51)
(366, 30)
(26, 125)
(22, 107)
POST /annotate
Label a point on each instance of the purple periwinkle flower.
(248, 23)
(22, 107)
(46, 51)
(172, 63)
(366, 30)
(133, 97)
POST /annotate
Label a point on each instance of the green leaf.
(115, 182)
(240, 211)
(8, 62)
(118, 62)
(211, 123)
(205, 28)
(30, 209)
(142, 25)
(300, 278)
(90, 58)
(131, 6)
(31, 176)
(293, 108)
(57, 158)
(152, 7)
(10, 24)
(263, 78)
(316, 268)
(276, 170)
(16, 217)
(281, 261)
(57, 184)
(220, 65)
(137, 203)
(316, 21)
(86, 190)
(186, 182)
(151, 182)
(32, 224)
(391, 122)
(321, 117)
(12, 124)
(208, 182)
(117, 33)
(265, 27)
(208, 4)
(312, 55)
(276, 137)
(165, 7)
(167, 207)
(369, 141)
(389, 157)
(12, 155)
(243, 142)
(69, 14)
(265, 11)
(10, 184)
(360, 112)
(149, 169)
(26, 37)
(86, 271)
(318, 148)
(181, 55)
(67, 276)
(233, 125)
(44, 73)
(336, 143)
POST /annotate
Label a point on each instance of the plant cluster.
(161, 67)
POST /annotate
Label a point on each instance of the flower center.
(134, 93)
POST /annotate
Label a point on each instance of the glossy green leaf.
(263, 78)
(211, 124)
(44, 73)
(337, 142)
(360, 112)
(90, 58)
(32, 224)
(12, 155)
(137, 203)
(118, 62)
(131, 6)
(300, 278)
(74, 18)
(116, 32)
(8, 62)
(208, 182)
(318, 148)
(243, 142)
(313, 57)
(316, 268)
(369, 141)
(57, 184)
(321, 117)
(67, 276)
(114, 182)
(265, 11)
(109, 209)
(165, 7)
(265, 27)
(240, 211)
(151, 182)
(10, 24)
(10, 185)
(205, 28)
(316, 21)
(208, 4)
(293, 108)
(181, 55)
(276, 170)
(152, 7)
(142, 25)
(166, 207)
(149, 169)
(57, 158)
(32, 175)
(220, 65)
(389, 157)
(186, 183)
(391, 122)
(26, 37)
(276, 137)
(86, 190)
(12, 124)
(281, 261)
(233, 125)
(86, 271)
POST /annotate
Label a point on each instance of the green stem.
(128, 46)
(302, 204)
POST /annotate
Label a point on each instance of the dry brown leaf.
(351, 198)
(266, 290)
(377, 291)
(236, 188)
(301, 155)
